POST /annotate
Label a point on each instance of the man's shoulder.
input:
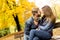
(29, 20)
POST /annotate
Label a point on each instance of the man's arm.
(27, 27)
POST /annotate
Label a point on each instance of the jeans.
(42, 35)
(36, 38)
(26, 37)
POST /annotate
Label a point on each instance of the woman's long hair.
(48, 12)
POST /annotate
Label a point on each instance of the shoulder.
(29, 20)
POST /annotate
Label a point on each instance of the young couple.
(37, 28)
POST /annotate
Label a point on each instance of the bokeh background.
(22, 8)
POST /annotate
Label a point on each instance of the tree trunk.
(17, 23)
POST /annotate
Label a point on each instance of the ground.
(19, 35)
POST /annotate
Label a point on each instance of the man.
(46, 26)
(32, 22)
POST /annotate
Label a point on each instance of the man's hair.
(35, 10)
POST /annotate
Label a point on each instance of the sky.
(41, 3)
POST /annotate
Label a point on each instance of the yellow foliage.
(22, 8)
(56, 10)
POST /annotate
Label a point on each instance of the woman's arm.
(47, 26)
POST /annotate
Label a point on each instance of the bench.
(20, 35)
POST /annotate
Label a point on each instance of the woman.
(46, 26)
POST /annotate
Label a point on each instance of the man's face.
(37, 15)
